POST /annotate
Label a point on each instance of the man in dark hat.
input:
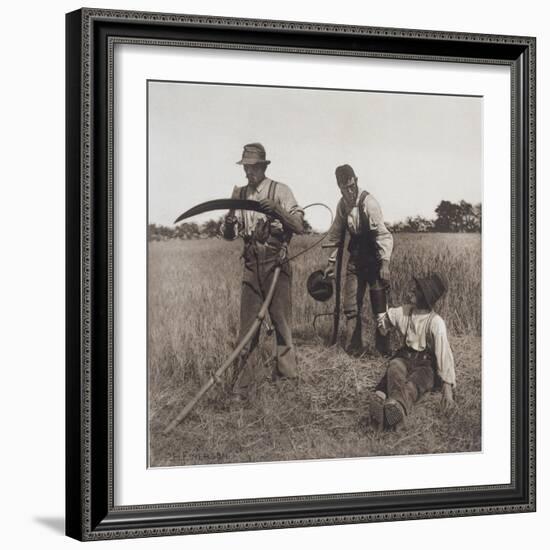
(370, 246)
(265, 244)
(425, 359)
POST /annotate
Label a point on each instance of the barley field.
(193, 319)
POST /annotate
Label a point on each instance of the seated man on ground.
(425, 360)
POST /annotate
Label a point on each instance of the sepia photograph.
(300, 273)
(314, 273)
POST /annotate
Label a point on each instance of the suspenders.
(270, 194)
(426, 329)
(272, 188)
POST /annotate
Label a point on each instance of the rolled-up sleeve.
(442, 351)
(391, 318)
(383, 237)
(286, 199)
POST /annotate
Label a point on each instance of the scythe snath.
(337, 294)
(237, 204)
(337, 288)
(248, 336)
(209, 206)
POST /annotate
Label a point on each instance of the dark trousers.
(259, 263)
(409, 375)
(359, 276)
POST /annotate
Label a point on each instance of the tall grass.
(193, 320)
(457, 256)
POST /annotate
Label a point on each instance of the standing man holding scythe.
(266, 236)
(370, 247)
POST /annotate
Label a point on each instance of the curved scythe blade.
(222, 204)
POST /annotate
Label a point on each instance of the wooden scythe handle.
(337, 294)
(212, 380)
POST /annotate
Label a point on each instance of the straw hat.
(253, 153)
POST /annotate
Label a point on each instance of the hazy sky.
(410, 151)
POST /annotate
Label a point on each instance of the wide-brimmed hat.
(433, 287)
(253, 153)
(344, 173)
(319, 287)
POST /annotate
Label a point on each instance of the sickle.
(224, 204)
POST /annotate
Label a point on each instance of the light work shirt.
(422, 329)
(345, 219)
(283, 196)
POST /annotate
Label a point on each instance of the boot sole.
(376, 411)
(394, 413)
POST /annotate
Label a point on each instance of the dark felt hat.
(253, 153)
(433, 287)
(319, 287)
(344, 173)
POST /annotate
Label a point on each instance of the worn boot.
(285, 366)
(376, 410)
(382, 343)
(353, 342)
(243, 381)
(394, 412)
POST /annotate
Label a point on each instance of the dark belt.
(414, 355)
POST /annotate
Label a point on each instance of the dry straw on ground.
(193, 311)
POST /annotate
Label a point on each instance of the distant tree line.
(461, 217)
(191, 230)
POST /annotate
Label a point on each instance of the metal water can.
(379, 297)
(319, 287)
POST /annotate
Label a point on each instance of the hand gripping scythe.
(227, 204)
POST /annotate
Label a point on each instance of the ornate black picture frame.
(90, 509)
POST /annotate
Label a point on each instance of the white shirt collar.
(260, 187)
